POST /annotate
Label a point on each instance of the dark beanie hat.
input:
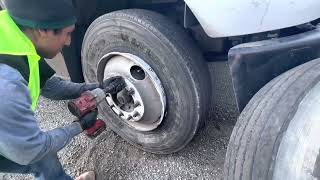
(42, 14)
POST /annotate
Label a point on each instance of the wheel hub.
(142, 103)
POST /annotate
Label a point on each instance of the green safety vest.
(14, 42)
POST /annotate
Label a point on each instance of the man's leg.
(48, 168)
(7, 166)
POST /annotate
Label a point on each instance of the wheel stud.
(136, 114)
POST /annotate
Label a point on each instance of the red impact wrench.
(89, 101)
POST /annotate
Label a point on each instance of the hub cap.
(142, 103)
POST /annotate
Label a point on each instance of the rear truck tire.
(168, 91)
(277, 134)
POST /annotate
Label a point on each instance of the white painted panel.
(224, 18)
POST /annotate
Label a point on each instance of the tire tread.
(245, 155)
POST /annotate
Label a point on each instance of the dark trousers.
(49, 168)
(72, 55)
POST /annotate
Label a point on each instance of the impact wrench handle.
(85, 104)
(89, 100)
(98, 127)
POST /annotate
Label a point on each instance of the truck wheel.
(277, 134)
(168, 86)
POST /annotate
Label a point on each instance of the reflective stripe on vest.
(14, 42)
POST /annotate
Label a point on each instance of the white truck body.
(225, 18)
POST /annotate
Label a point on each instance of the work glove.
(88, 120)
(88, 87)
(113, 85)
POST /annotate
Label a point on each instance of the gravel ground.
(113, 158)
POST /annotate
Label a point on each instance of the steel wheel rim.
(142, 103)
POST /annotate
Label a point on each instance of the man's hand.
(88, 120)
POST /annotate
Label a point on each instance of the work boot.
(90, 175)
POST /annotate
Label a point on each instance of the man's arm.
(56, 88)
(21, 139)
(59, 89)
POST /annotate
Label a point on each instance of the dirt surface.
(113, 158)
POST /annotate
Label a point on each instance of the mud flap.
(252, 65)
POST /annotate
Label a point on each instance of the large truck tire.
(153, 55)
(277, 134)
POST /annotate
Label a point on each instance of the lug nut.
(137, 104)
(130, 91)
(136, 114)
(129, 118)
